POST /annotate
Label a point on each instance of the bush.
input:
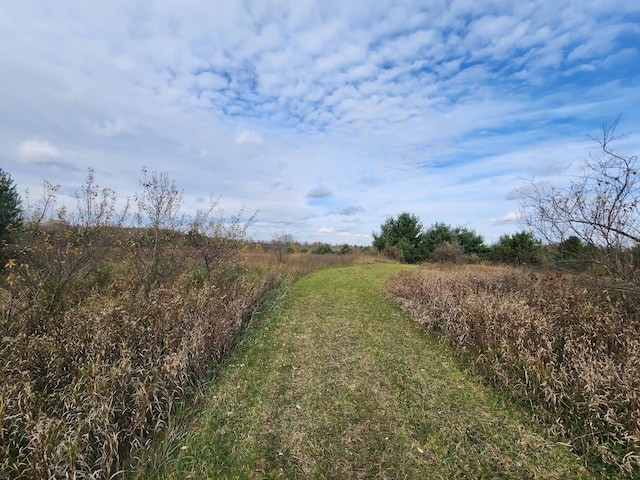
(322, 249)
(345, 249)
(447, 253)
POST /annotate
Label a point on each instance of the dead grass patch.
(569, 349)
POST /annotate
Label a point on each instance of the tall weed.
(104, 333)
(91, 378)
(570, 349)
(81, 390)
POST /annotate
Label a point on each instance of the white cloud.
(511, 217)
(248, 137)
(438, 109)
(37, 150)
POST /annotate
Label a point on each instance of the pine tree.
(10, 204)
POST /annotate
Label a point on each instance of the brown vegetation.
(92, 378)
(570, 349)
(108, 329)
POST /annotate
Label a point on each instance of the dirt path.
(337, 383)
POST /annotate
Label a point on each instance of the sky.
(324, 117)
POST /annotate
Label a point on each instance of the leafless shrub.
(56, 248)
(569, 348)
(447, 253)
(600, 208)
(216, 239)
(159, 221)
(280, 243)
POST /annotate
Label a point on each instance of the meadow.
(337, 382)
(104, 346)
(566, 346)
(112, 320)
(93, 371)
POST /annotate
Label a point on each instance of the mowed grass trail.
(335, 382)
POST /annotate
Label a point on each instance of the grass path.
(337, 383)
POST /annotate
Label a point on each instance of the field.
(112, 337)
(336, 382)
(568, 348)
(108, 332)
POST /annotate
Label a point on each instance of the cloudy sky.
(324, 116)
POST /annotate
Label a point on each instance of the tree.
(10, 205)
(517, 249)
(322, 249)
(403, 233)
(159, 210)
(469, 242)
(572, 254)
(280, 243)
(601, 208)
(215, 238)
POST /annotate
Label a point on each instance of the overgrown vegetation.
(569, 348)
(111, 319)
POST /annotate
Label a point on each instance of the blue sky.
(326, 117)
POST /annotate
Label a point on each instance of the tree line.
(591, 225)
(404, 238)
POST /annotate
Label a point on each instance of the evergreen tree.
(10, 205)
(519, 248)
(403, 233)
(469, 241)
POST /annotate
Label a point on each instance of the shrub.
(344, 249)
(448, 253)
(322, 249)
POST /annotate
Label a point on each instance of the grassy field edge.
(336, 382)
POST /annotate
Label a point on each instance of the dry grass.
(97, 356)
(81, 390)
(569, 349)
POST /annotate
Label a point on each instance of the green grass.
(336, 383)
